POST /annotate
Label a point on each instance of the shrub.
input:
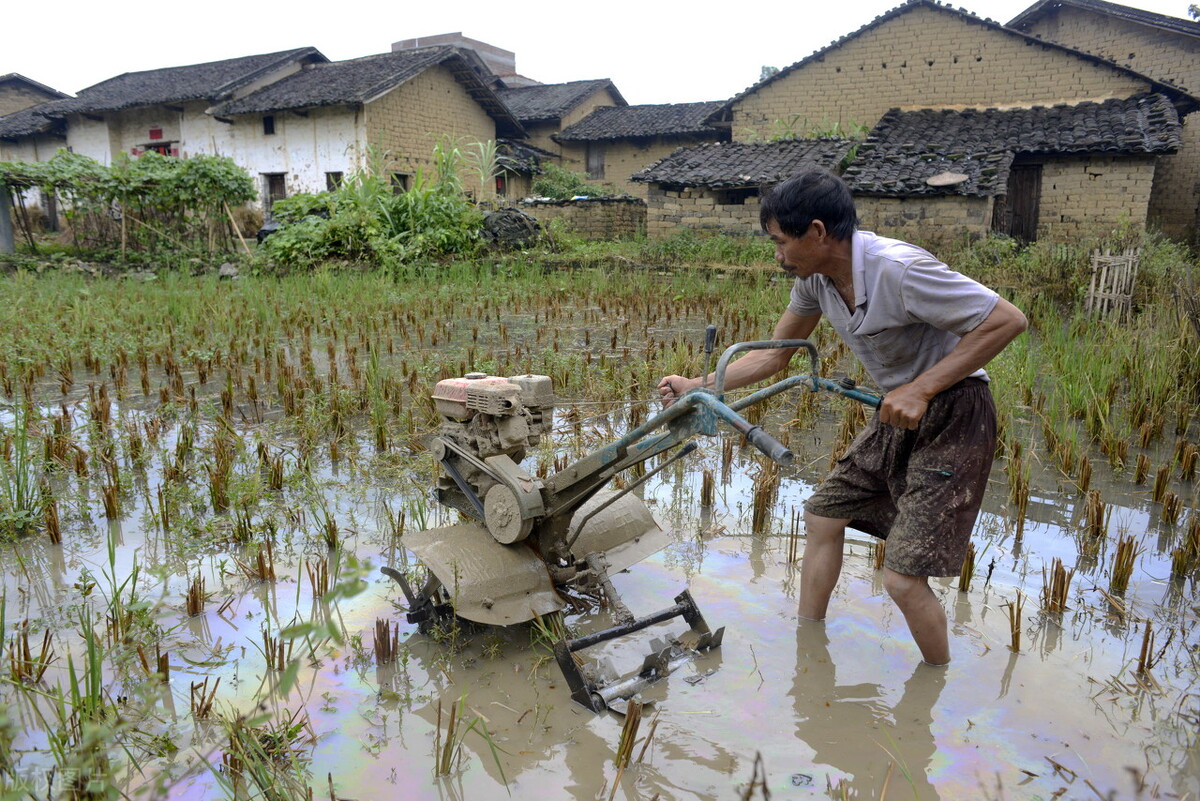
(559, 183)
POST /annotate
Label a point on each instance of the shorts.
(919, 490)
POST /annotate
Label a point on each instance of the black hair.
(815, 194)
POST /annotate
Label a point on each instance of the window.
(595, 161)
(268, 125)
(401, 181)
(274, 188)
(333, 180)
(734, 197)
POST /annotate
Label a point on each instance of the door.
(1017, 216)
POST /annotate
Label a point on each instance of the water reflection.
(842, 724)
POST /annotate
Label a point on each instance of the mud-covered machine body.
(527, 539)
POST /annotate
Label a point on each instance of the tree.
(1194, 11)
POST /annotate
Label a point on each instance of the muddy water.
(839, 710)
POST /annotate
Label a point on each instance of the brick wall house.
(715, 187)
(294, 119)
(1162, 47)
(923, 55)
(18, 92)
(391, 110)
(546, 109)
(614, 142)
(1065, 171)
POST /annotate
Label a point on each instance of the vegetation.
(367, 220)
(149, 206)
(558, 183)
(228, 439)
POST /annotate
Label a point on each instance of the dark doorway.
(1016, 214)
(276, 189)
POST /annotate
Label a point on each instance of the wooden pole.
(7, 244)
(236, 230)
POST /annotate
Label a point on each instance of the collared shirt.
(910, 309)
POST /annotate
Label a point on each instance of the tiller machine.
(527, 539)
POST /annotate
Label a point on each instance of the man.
(917, 473)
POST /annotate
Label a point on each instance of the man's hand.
(673, 386)
(904, 407)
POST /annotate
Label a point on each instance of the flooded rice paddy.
(230, 464)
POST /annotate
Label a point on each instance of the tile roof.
(361, 80)
(522, 157)
(626, 122)
(212, 81)
(16, 77)
(908, 147)
(41, 118)
(1044, 8)
(743, 164)
(551, 101)
(1175, 92)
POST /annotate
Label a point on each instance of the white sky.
(654, 51)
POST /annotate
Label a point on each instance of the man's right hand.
(674, 386)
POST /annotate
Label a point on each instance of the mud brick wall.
(1092, 196)
(593, 218)
(623, 158)
(933, 222)
(669, 210)
(15, 96)
(1175, 201)
(408, 121)
(925, 58)
(1161, 54)
(539, 133)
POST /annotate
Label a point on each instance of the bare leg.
(822, 563)
(922, 611)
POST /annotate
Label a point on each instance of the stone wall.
(592, 218)
(933, 222)
(925, 58)
(408, 121)
(1161, 54)
(670, 210)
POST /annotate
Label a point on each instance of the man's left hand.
(903, 407)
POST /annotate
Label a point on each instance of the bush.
(559, 183)
(365, 220)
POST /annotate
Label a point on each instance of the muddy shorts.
(920, 490)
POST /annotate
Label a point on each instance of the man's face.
(795, 254)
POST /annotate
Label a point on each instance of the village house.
(924, 55)
(546, 109)
(18, 92)
(614, 142)
(945, 175)
(307, 131)
(715, 187)
(1162, 47)
(293, 119)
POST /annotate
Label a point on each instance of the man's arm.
(905, 405)
(753, 367)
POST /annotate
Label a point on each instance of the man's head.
(814, 194)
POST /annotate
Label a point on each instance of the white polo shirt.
(910, 308)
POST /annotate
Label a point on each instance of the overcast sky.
(655, 51)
